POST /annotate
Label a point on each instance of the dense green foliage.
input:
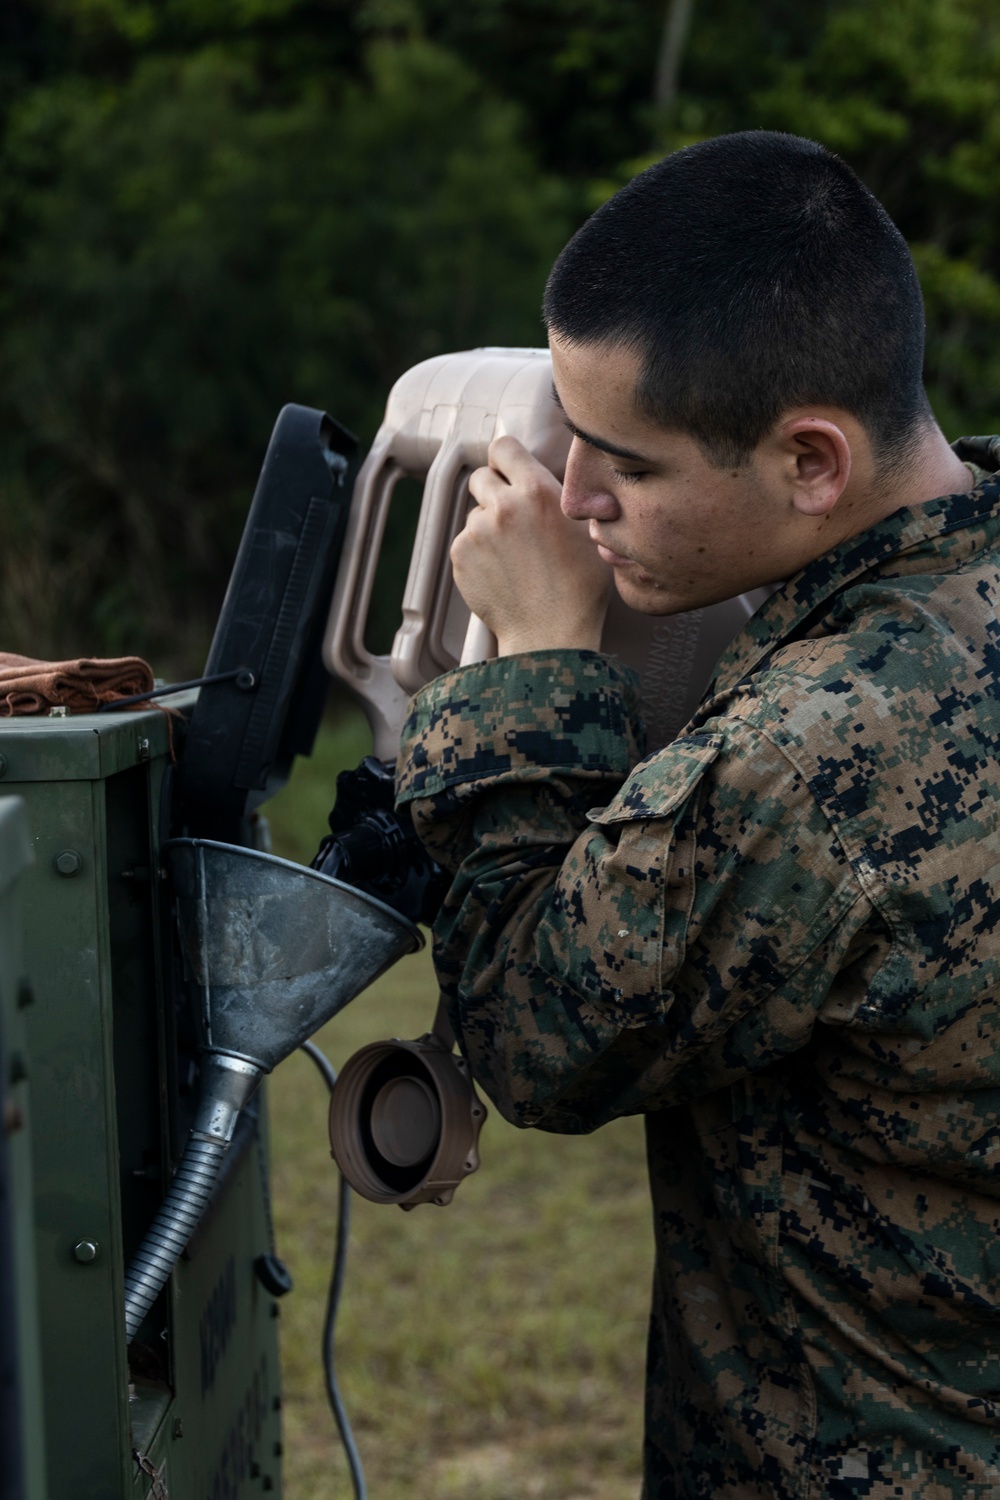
(909, 93)
(210, 207)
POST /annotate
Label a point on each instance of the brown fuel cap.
(405, 1121)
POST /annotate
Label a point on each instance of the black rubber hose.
(333, 1303)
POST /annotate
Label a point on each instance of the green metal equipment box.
(112, 1083)
(21, 1437)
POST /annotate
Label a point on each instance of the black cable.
(333, 1302)
(243, 679)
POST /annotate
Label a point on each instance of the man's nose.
(584, 497)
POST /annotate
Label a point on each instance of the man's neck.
(932, 469)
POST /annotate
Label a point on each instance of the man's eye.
(628, 476)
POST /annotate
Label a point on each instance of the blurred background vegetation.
(211, 207)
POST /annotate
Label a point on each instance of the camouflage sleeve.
(606, 960)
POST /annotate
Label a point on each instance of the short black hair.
(751, 273)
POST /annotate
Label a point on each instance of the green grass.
(491, 1350)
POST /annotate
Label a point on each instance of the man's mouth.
(614, 559)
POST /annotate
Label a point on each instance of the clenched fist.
(529, 572)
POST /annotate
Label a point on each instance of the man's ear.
(820, 462)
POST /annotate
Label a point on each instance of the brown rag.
(33, 687)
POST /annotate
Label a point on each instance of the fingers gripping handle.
(439, 421)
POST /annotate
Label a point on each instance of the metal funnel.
(276, 949)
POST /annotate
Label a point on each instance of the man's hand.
(529, 572)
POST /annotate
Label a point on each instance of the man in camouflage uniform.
(778, 937)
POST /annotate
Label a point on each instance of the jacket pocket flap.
(661, 782)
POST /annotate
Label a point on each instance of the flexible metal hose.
(227, 1083)
(173, 1226)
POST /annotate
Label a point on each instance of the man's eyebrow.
(596, 442)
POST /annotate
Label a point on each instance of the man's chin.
(646, 596)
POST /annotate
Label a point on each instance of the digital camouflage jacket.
(779, 938)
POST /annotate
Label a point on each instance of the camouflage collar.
(907, 532)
